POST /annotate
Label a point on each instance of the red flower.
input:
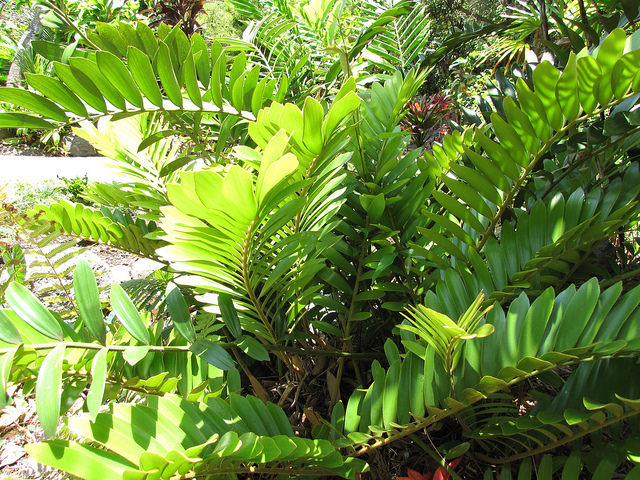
(413, 475)
(440, 474)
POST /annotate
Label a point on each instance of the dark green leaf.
(91, 70)
(180, 316)
(167, 75)
(229, 314)
(213, 354)
(144, 76)
(81, 85)
(22, 120)
(156, 137)
(56, 91)
(113, 68)
(33, 102)
(253, 348)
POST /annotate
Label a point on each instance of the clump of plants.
(427, 118)
(75, 188)
(26, 195)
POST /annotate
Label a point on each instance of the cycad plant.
(452, 301)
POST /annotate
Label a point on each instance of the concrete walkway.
(18, 168)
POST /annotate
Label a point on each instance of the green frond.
(170, 437)
(402, 41)
(592, 398)
(572, 466)
(120, 80)
(540, 248)
(112, 228)
(137, 356)
(50, 262)
(503, 154)
(528, 339)
(238, 233)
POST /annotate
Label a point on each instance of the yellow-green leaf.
(313, 116)
(589, 74)
(88, 298)
(49, 389)
(83, 461)
(545, 78)
(339, 111)
(133, 355)
(567, 89)
(98, 381)
(8, 332)
(128, 314)
(237, 188)
(31, 310)
(276, 173)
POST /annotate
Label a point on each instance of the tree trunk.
(545, 20)
(14, 77)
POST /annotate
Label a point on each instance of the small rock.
(79, 147)
(143, 267)
(7, 133)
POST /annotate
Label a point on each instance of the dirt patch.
(19, 426)
(27, 151)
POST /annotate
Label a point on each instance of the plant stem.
(597, 426)
(289, 471)
(617, 278)
(97, 346)
(585, 21)
(325, 353)
(578, 162)
(246, 249)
